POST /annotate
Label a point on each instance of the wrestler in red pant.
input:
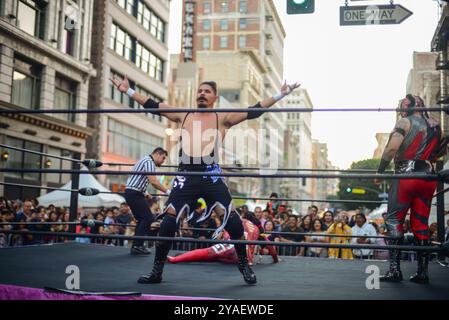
(415, 142)
(224, 252)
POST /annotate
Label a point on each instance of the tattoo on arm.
(401, 127)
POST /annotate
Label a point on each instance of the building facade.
(130, 39)
(300, 125)
(382, 139)
(45, 63)
(424, 80)
(322, 188)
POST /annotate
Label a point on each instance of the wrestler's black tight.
(167, 229)
(234, 227)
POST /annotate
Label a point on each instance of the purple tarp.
(8, 292)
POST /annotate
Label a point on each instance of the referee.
(136, 187)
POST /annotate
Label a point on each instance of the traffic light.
(355, 190)
(300, 6)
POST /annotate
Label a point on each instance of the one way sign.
(369, 15)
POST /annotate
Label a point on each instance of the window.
(27, 18)
(223, 42)
(130, 142)
(150, 21)
(128, 54)
(117, 40)
(242, 41)
(206, 25)
(156, 68)
(68, 36)
(26, 84)
(149, 63)
(243, 23)
(206, 43)
(122, 43)
(126, 46)
(159, 70)
(224, 7)
(113, 37)
(65, 97)
(32, 160)
(19, 160)
(128, 5)
(142, 58)
(153, 24)
(144, 16)
(224, 24)
(243, 6)
(161, 30)
(57, 179)
(206, 8)
(31, 17)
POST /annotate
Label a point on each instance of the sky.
(346, 66)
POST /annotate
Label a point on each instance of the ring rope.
(246, 242)
(215, 110)
(91, 223)
(443, 175)
(93, 191)
(99, 163)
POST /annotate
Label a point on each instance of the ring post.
(440, 205)
(74, 193)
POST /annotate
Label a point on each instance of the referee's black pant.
(141, 211)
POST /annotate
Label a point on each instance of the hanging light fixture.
(5, 156)
(48, 163)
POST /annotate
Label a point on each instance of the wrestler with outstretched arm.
(197, 154)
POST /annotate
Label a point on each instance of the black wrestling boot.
(244, 268)
(422, 264)
(162, 249)
(247, 272)
(140, 251)
(394, 274)
(167, 229)
(156, 274)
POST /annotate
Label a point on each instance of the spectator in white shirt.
(362, 228)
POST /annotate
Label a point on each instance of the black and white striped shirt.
(139, 182)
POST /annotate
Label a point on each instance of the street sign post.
(373, 15)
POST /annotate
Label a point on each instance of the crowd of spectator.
(276, 221)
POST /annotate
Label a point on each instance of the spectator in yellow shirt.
(339, 227)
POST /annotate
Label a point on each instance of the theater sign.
(189, 25)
